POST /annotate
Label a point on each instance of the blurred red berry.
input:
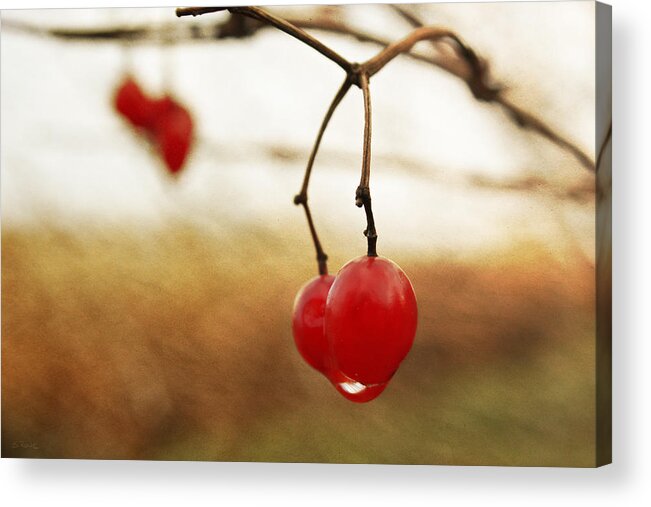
(133, 104)
(173, 131)
(163, 120)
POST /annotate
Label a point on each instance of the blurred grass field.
(176, 344)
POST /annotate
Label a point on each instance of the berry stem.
(321, 257)
(341, 93)
(363, 193)
(301, 197)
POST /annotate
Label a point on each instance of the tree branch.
(476, 80)
(279, 23)
(529, 121)
(524, 119)
(375, 64)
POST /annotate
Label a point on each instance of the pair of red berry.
(167, 123)
(357, 327)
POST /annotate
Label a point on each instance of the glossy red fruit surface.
(173, 129)
(133, 104)
(370, 320)
(355, 391)
(307, 322)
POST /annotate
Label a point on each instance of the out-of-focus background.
(148, 317)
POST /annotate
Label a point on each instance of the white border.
(626, 482)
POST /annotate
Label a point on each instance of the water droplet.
(353, 390)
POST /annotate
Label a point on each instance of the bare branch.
(524, 119)
(197, 11)
(406, 15)
(280, 24)
(465, 65)
(375, 64)
(529, 121)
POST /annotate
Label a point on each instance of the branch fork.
(359, 74)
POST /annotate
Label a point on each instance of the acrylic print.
(353, 234)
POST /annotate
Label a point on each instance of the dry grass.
(176, 344)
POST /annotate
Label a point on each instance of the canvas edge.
(603, 244)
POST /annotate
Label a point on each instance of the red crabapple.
(370, 319)
(166, 122)
(307, 322)
(172, 128)
(133, 104)
(309, 336)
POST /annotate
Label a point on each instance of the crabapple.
(133, 104)
(172, 128)
(370, 319)
(165, 122)
(307, 322)
(309, 336)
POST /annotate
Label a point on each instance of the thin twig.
(406, 15)
(528, 121)
(197, 11)
(281, 24)
(366, 153)
(579, 193)
(321, 257)
(302, 198)
(341, 93)
(375, 64)
(363, 193)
